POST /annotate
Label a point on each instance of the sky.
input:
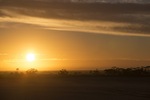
(74, 35)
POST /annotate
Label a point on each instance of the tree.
(63, 72)
(32, 71)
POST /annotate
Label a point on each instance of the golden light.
(30, 57)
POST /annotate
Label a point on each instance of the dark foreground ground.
(43, 87)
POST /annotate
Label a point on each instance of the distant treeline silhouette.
(137, 71)
(114, 71)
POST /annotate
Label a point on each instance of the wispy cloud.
(54, 59)
(99, 27)
(92, 18)
(43, 59)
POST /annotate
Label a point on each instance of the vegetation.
(63, 72)
(32, 71)
(138, 71)
(114, 71)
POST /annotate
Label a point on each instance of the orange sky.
(73, 36)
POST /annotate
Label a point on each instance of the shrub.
(63, 72)
(32, 71)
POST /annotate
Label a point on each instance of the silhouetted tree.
(32, 71)
(63, 72)
(137, 71)
(95, 72)
(17, 69)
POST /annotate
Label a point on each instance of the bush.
(95, 72)
(137, 71)
(63, 72)
(32, 71)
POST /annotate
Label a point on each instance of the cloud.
(98, 27)
(44, 59)
(112, 1)
(91, 18)
(54, 59)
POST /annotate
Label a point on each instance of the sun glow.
(30, 57)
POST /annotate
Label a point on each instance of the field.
(45, 86)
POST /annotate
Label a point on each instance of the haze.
(74, 35)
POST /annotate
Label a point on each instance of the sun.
(30, 57)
